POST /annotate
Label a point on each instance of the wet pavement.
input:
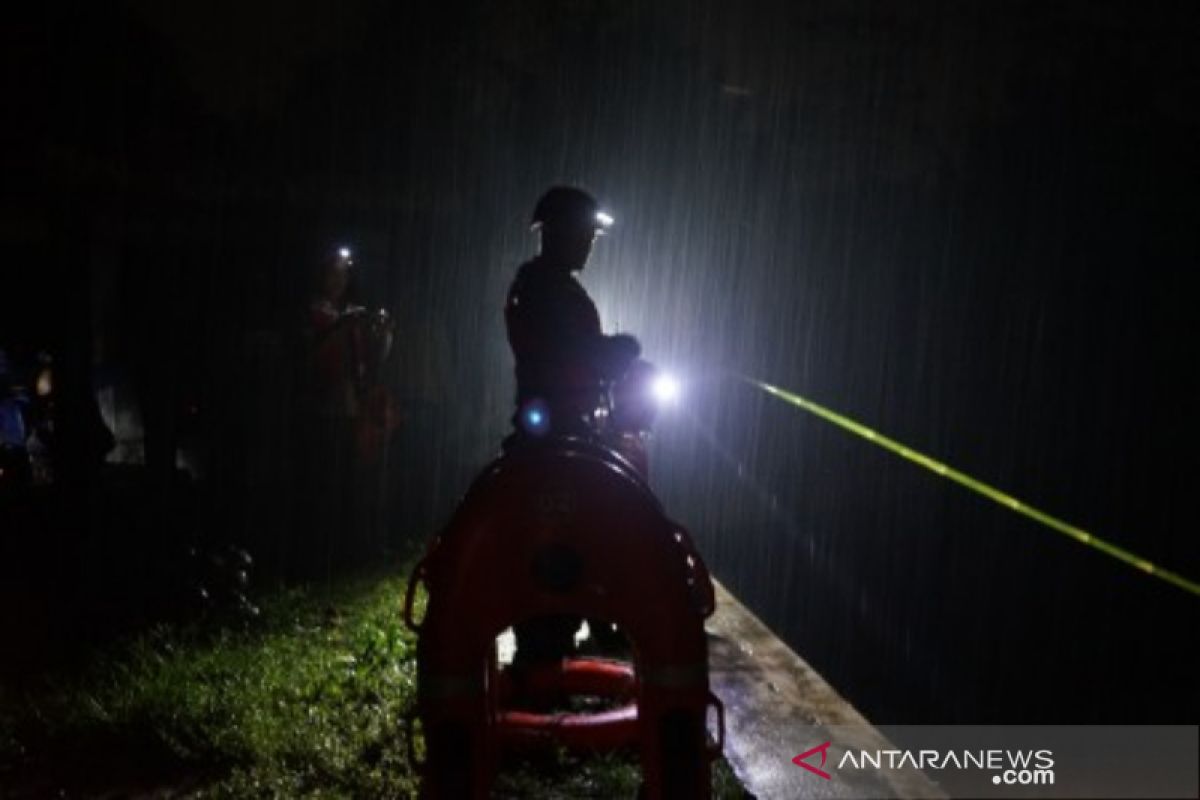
(777, 707)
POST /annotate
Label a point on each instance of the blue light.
(535, 418)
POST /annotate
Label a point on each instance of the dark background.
(967, 225)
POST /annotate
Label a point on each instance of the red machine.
(564, 526)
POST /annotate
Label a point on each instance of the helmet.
(333, 260)
(569, 207)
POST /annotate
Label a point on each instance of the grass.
(307, 700)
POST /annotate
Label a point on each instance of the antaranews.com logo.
(1000, 761)
(1006, 767)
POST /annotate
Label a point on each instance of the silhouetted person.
(564, 361)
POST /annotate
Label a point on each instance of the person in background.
(14, 401)
(345, 419)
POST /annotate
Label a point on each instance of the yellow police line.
(1006, 500)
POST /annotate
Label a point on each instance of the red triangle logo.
(823, 749)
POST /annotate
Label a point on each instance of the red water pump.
(564, 526)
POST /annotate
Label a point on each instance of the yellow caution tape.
(978, 486)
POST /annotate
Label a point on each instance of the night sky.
(970, 226)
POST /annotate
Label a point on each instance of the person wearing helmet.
(345, 418)
(563, 358)
(563, 362)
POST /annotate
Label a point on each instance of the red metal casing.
(585, 506)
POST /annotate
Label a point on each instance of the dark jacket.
(562, 356)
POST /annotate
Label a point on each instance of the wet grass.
(308, 699)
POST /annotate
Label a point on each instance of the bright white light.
(506, 647)
(344, 252)
(665, 388)
(605, 220)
